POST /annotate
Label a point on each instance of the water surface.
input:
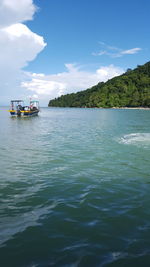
(75, 188)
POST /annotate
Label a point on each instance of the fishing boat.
(18, 109)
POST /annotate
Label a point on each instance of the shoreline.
(132, 108)
(142, 108)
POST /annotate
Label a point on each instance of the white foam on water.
(136, 139)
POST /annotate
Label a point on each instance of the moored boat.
(18, 109)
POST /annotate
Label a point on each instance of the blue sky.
(75, 29)
(69, 45)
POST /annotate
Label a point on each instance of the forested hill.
(132, 89)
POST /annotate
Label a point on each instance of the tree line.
(131, 89)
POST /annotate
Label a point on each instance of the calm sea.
(75, 188)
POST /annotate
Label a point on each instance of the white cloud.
(131, 51)
(18, 45)
(73, 80)
(114, 52)
(15, 11)
(44, 87)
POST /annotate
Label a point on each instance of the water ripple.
(70, 194)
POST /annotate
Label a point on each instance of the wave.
(136, 139)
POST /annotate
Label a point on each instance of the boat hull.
(28, 113)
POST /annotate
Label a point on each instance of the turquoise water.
(75, 188)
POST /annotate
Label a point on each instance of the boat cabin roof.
(34, 101)
(17, 101)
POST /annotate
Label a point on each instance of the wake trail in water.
(136, 139)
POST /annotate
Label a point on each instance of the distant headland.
(129, 90)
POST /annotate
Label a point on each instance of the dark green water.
(75, 188)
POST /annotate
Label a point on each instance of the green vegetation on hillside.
(132, 89)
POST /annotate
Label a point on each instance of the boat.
(18, 109)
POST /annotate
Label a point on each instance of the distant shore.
(140, 108)
(131, 108)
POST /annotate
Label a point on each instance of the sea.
(75, 188)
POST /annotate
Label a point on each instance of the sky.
(54, 47)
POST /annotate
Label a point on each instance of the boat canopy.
(34, 103)
(16, 101)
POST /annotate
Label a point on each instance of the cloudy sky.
(53, 47)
